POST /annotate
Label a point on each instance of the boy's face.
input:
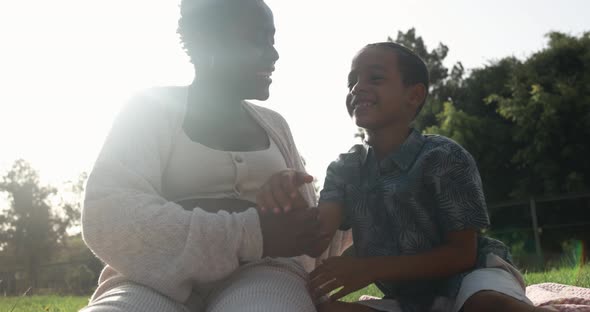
(377, 96)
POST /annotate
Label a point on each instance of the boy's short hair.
(411, 66)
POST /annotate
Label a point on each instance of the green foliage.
(43, 303)
(80, 279)
(525, 123)
(443, 84)
(30, 228)
(550, 108)
(577, 276)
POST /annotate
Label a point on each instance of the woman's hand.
(289, 234)
(214, 205)
(281, 191)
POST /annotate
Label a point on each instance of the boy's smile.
(361, 106)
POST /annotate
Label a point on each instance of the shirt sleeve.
(458, 191)
(334, 190)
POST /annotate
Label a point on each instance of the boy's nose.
(358, 88)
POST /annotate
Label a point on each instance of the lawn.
(572, 276)
(42, 303)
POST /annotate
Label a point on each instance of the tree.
(471, 119)
(549, 105)
(527, 123)
(443, 85)
(30, 227)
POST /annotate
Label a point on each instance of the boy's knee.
(489, 300)
(485, 300)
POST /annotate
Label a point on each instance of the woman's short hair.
(201, 19)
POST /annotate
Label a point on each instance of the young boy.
(414, 202)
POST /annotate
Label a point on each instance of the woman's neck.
(387, 140)
(209, 97)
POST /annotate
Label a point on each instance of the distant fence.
(569, 212)
(71, 277)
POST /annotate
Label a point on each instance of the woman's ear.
(203, 48)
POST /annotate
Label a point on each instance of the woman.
(169, 203)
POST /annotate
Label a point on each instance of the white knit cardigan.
(146, 239)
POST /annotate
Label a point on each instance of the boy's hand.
(350, 273)
(281, 191)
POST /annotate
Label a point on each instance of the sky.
(68, 66)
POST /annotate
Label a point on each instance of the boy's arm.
(331, 209)
(457, 254)
(330, 218)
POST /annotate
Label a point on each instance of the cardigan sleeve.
(129, 225)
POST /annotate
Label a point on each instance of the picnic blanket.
(563, 298)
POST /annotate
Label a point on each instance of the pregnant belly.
(214, 205)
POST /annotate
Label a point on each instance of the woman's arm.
(129, 224)
(215, 205)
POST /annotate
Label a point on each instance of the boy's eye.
(376, 78)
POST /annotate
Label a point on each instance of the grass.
(579, 276)
(43, 303)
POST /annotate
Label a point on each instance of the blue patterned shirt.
(406, 203)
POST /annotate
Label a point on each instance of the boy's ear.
(417, 95)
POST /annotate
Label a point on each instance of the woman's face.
(244, 56)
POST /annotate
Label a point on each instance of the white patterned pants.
(258, 288)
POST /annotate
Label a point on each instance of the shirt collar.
(405, 156)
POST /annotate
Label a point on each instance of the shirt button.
(238, 158)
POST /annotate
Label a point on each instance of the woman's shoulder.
(271, 120)
(157, 109)
(156, 101)
(267, 114)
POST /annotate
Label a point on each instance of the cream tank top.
(197, 171)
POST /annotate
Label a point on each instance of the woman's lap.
(257, 288)
(262, 288)
(131, 297)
